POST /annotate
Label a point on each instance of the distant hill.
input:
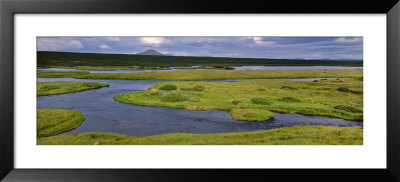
(150, 52)
(46, 59)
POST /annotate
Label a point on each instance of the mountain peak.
(150, 52)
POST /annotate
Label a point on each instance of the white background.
(370, 155)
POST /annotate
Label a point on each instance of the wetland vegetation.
(253, 100)
(155, 98)
(54, 121)
(106, 68)
(63, 87)
(298, 135)
(192, 75)
(246, 100)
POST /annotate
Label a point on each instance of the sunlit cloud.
(104, 46)
(115, 39)
(348, 40)
(152, 40)
(259, 41)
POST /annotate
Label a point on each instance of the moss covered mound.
(54, 121)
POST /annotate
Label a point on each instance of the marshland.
(117, 99)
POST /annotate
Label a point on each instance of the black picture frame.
(9, 8)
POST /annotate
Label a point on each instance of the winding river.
(104, 114)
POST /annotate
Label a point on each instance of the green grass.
(198, 88)
(349, 108)
(298, 135)
(290, 99)
(54, 121)
(113, 68)
(192, 75)
(168, 87)
(59, 74)
(106, 68)
(173, 97)
(288, 88)
(251, 114)
(51, 59)
(343, 89)
(311, 98)
(236, 102)
(262, 101)
(63, 87)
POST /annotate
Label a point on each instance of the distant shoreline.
(48, 59)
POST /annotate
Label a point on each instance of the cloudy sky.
(349, 48)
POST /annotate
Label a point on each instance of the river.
(104, 114)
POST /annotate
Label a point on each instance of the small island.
(64, 87)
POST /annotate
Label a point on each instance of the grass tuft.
(343, 89)
(236, 102)
(259, 100)
(173, 97)
(346, 89)
(155, 93)
(290, 99)
(356, 91)
(289, 88)
(198, 88)
(349, 108)
(168, 87)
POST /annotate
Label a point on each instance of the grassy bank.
(209, 74)
(63, 87)
(47, 59)
(113, 68)
(60, 74)
(299, 135)
(54, 121)
(107, 68)
(251, 100)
